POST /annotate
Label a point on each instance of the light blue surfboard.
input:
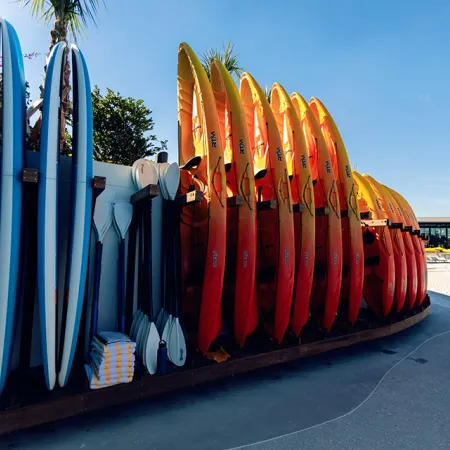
(48, 211)
(81, 203)
(10, 188)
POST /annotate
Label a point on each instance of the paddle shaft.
(97, 279)
(121, 278)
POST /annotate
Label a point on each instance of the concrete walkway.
(410, 409)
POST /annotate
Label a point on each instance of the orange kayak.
(302, 190)
(352, 245)
(276, 252)
(203, 226)
(417, 245)
(241, 221)
(401, 269)
(328, 257)
(379, 263)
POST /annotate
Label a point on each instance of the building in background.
(437, 230)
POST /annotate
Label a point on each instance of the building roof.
(433, 220)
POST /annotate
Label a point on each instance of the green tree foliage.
(122, 128)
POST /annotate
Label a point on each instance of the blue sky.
(381, 67)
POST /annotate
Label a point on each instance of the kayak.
(328, 236)
(401, 268)
(421, 254)
(302, 191)
(276, 246)
(241, 221)
(420, 262)
(203, 226)
(379, 264)
(352, 245)
(411, 289)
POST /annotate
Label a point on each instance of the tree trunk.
(58, 34)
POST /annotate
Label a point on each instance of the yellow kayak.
(276, 251)
(203, 228)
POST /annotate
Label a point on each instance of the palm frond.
(226, 57)
(76, 13)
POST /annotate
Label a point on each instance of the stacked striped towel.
(112, 360)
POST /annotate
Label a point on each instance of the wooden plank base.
(60, 404)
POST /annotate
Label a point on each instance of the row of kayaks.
(309, 239)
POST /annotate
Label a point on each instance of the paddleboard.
(352, 245)
(13, 131)
(276, 242)
(328, 257)
(80, 229)
(379, 264)
(203, 225)
(241, 221)
(302, 191)
(401, 268)
(47, 248)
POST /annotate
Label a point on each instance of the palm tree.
(226, 57)
(70, 17)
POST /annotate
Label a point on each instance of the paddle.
(151, 335)
(176, 342)
(103, 218)
(123, 213)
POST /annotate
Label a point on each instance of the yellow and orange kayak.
(241, 222)
(352, 245)
(203, 226)
(411, 289)
(379, 263)
(328, 237)
(419, 251)
(401, 269)
(276, 255)
(302, 190)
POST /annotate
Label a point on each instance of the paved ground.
(409, 409)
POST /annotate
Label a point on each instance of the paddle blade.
(123, 213)
(176, 345)
(133, 328)
(103, 213)
(151, 350)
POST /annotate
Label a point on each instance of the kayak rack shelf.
(59, 404)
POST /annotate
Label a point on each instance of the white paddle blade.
(166, 328)
(151, 350)
(141, 328)
(123, 213)
(176, 345)
(147, 173)
(172, 180)
(103, 213)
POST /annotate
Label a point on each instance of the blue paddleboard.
(47, 247)
(79, 238)
(10, 188)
